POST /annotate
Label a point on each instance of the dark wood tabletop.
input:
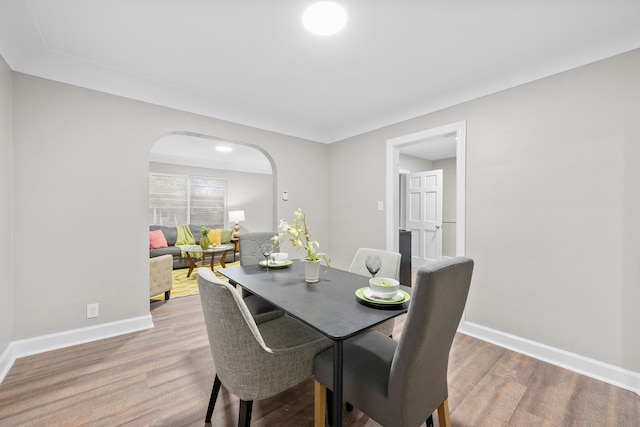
(329, 306)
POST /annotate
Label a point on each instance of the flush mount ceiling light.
(325, 18)
(223, 148)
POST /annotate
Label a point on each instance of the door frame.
(392, 180)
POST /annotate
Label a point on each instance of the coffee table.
(196, 249)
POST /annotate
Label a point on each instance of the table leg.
(337, 384)
(236, 248)
(192, 264)
(223, 260)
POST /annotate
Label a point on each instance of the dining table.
(330, 306)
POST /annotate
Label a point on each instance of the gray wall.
(251, 192)
(552, 207)
(81, 181)
(6, 267)
(414, 164)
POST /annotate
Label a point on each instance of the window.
(175, 200)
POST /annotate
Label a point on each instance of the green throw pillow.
(226, 236)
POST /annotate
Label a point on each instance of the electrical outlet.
(92, 310)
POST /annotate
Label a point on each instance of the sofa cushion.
(225, 236)
(170, 233)
(157, 240)
(169, 250)
(215, 237)
(196, 230)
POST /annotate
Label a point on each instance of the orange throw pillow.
(215, 237)
(157, 240)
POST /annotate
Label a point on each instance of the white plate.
(397, 297)
(282, 264)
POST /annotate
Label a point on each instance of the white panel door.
(424, 216)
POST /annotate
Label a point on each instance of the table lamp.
(236, 217)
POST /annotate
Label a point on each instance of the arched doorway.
(249, 171)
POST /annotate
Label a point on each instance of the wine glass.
(267, 250)
(373, 264)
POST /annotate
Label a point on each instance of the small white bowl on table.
(279, 257)
(384, 287)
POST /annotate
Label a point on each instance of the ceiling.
(437, 147)
(191, 150)
(252, 62)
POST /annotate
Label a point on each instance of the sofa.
(167, 246)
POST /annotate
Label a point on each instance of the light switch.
(285, 195)
(380, 205)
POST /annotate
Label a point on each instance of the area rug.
(184, 286)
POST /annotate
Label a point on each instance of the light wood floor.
(163, 377)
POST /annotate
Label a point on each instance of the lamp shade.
(236, 216)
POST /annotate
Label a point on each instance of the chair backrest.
(418, 377)
(390, 263)
(233, 335)
(250, 243)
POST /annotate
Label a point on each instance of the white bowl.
(280, 256)
(384, 287)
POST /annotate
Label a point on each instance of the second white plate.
(367, 293)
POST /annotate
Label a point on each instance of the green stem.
(310, 254)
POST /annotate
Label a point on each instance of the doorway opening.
(423, 142)
(248, 169)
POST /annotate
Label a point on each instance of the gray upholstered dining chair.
(250, 243)
(390, 267)
(253, 361)
(251, 254)
(402, 383)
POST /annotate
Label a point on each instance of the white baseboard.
(29, 346)
(611, 374)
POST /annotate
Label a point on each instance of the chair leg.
(244, 419)
(320, 405)
(212, 400)
(166, 295)
(430, 421)
(329, 396)
(443, 414)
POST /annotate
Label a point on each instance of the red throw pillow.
(157, 240)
